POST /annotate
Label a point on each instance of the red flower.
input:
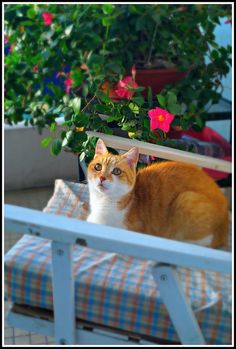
(133, 71)
(123, 87)
(229, 21)
(35, 68)
(108, 88)
(68, 83)
(182, 8)
(160, 118)
(12, 47)
(47, 18)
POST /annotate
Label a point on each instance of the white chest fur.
(105, 211)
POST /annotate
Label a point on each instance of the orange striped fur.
(170, 199)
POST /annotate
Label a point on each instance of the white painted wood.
(83, 337)
(31, 324)
(164, 152)
(177, 305)
(100, 237)
(63, 293)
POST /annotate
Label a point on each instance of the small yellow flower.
(21, 28)
(79, 129)
(131, 134)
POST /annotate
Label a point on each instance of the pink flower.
(6, 39)
(68, 83)
(133, 71)
(123, 87)
(12, 47)
(47, 18)
(160, 118)
(229, 21)
(60, 73)
(35, 68)
(182, 8)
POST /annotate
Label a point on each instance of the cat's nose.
(102, 178)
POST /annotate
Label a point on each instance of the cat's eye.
(98, 167)
(116, 171)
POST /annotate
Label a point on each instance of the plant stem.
(105, 39)
(89, 103)
(152, 44)
(82, 13)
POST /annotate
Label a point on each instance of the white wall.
(27, 165)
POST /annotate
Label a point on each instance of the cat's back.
(167, 179)
(179, 201)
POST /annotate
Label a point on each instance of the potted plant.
(82, 62)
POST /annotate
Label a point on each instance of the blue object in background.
(57, 81)
(223, 34)
(7, 48)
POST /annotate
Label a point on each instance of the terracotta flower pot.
(157, 79)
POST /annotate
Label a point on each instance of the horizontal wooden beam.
(164, 152)
(105, 238)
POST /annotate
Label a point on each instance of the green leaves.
(161, 100)
(171, 98)
(68, 29)
(45, 142)
(174, 108)
(113, 118)
(68, 136)
(137, 89)
(134, 107)
(150, 97)
(169, 102)
(139, 100)
(56, 146)
(200, 122)
(104, 98)
(31, 13)
(77, 76)
(87, 41)
(107, 9)
(81, 120)
(53, 127)
(55, 89)
(106, 21)
(76, 104)
(129, 126)
(102, 108)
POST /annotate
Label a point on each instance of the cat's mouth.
(101, 186)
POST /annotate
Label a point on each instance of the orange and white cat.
(170, 199)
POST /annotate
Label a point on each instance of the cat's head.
(112, 175)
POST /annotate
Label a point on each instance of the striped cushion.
(114, 290)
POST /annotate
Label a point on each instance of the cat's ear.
(101, 148)
(132, 157)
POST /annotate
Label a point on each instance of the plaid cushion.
(111, 289)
